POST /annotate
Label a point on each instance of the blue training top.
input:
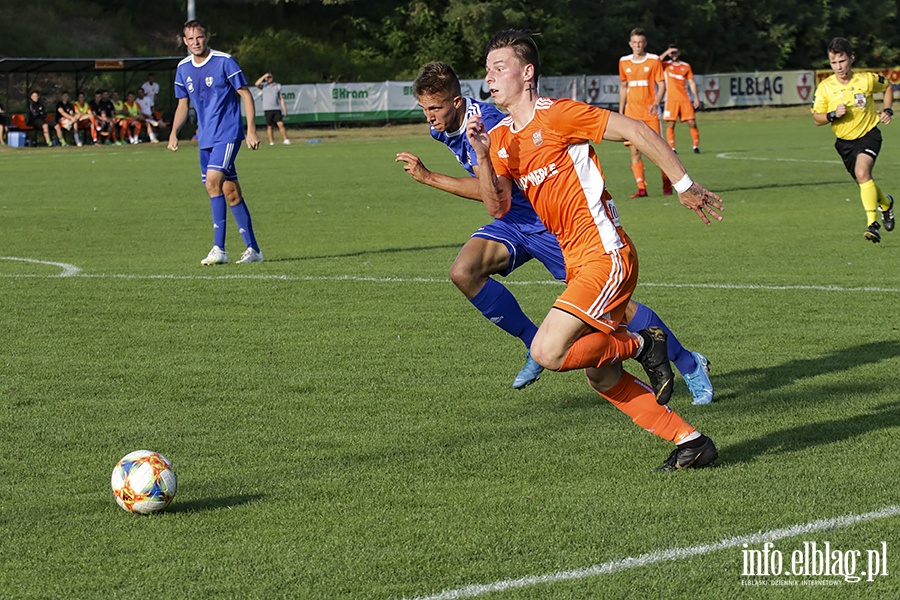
(211, 89)
(521, 212)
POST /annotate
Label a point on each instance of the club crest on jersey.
(860, 100)
(537, 138)
(209, 81)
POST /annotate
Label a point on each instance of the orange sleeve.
(578, 122)
(658, 74)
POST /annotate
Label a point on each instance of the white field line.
(471, 591)
(73, 271)
(67, 269)
(729, 156)
(593, 571)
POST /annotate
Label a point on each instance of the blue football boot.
(530, 373)
(698, 382)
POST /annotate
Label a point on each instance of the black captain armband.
(832, 117)
(889, 111)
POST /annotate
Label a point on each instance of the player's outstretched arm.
(496, 192)
(692, 195)
(464, 187)
(701, 201)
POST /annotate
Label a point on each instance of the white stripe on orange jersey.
(606, 217)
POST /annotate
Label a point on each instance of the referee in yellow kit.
(845, 101)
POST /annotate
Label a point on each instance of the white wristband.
(683, 184)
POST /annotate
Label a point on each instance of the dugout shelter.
(51, 74)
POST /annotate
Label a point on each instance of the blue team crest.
(860, 100)
(209, 81)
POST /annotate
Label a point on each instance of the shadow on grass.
(748, 389)
(735, 386)
(885, 416)
(759, 381)
(778, 186)
(206, 504)
(756, 382)
(368, 252)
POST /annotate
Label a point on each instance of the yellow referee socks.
(869, 193)
(883, 200)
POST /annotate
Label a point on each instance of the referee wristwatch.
(889, 111)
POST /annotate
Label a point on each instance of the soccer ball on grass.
(143, 482)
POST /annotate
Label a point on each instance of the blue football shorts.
(220, 158)
(523, 246)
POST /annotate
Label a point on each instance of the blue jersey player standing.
(216, 86)
(501, 246)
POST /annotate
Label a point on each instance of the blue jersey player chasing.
(501, 246)
(216, 86)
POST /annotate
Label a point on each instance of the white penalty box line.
(68, 270)
(615, 566)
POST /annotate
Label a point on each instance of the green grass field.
(341, 418)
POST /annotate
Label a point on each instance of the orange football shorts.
(598, 291)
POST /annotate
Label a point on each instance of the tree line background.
(313, 41)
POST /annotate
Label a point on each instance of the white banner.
(762, 88)
(332, 102)
(602, 90)
(329, 102)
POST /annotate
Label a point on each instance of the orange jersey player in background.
(680, 77)
(640, 94)
(544, 148)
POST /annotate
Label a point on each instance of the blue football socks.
(645, 317)
(500, 307)
(219, 214)
(245, 224)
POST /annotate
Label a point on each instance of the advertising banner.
(762, 88)
(394, 100)
(891, 74)
(602, 90)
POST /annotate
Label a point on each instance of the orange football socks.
(638, 170)
(637, 400)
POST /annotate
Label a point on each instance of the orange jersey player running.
(544, 147)
(680, 77)
(640, 94)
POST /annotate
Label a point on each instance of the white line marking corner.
(471, 591)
